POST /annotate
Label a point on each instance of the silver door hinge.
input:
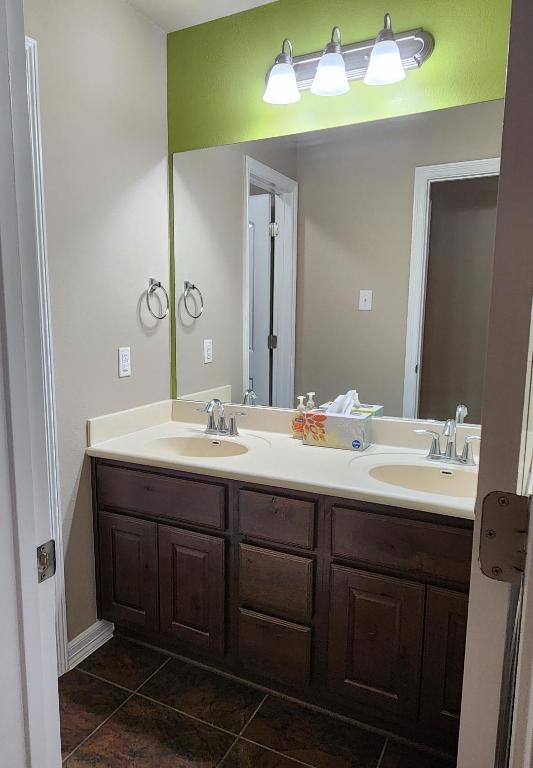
(273, 229)
(46, 560)
(272, 341)
(503, 542)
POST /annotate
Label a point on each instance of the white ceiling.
(178, 14)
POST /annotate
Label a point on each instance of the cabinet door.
(191, 587)
(444, 653)
(375, 640)
(128, 570)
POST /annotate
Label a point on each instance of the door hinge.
(272, 341)
(504, 529)
(46, 560)
(273, 229)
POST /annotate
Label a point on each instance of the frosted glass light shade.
(330, 78)
(281, 87)
(385, 65)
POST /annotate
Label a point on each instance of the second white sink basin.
(198, 447)
(452, 481)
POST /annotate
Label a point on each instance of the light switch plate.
(365, 300)
(208, 350)
(124, 362)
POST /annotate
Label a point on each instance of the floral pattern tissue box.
(334, 430)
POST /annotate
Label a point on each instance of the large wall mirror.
(352, 258)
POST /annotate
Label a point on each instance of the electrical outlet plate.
(208, 350)
(124, 362)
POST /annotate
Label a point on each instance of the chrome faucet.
(220, 426)
(249, 397)
(450, 455)
(215, 426)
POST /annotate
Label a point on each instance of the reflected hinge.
(272, 341)
(503, 543)
(46, 560)
(273, 229)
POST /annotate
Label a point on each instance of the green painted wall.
(216, 70)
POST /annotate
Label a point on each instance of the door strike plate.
(504, 529)
(46, 560)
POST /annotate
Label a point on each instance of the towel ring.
(153, 286)
(188, 288)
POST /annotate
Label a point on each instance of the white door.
(29, 716)
(482, 738)
(259, 215)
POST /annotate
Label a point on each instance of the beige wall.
(208, 225)
(355, 217)
(102, 76)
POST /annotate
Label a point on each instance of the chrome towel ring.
(189, 287)
(153, 286)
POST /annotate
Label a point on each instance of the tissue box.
(335, 430)
(373, 410)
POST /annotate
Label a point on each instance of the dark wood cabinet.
(128, 570)
(444, 652)
(192, 587)
(347, 605)
(375, 640)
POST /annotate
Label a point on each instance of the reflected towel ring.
(188, 288)
(153, 286)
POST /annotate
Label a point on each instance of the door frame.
(425, 176)
(54, 501)
(270, 180)
(23, 461)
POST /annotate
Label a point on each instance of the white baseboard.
(89, 641)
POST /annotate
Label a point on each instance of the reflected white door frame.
(286, 191)
(425, 176)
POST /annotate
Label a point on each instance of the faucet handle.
(233, 429)
(461, 412)
(435, 450)
(467, 456)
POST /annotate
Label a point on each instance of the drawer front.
(276, 583)
(165, 497)
(422, 550)
(277, 518)
(275, 648)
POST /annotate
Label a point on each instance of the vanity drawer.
(276, 583)
(164, 497)
(275, 648)
(277, 518)
(422, 550)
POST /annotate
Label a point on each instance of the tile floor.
(127, 705)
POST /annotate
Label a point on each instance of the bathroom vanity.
(355, 606)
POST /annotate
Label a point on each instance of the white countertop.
(276, 459)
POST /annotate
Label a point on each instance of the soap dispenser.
(310, 401)
(298, 420)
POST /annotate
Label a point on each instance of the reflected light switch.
(365, 299)
(208, 350)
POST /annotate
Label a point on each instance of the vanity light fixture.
(281, 85)
(330, 78)
(378, 61)
(385, 65)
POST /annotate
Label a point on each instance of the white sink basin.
(198, 447)
(445, 481)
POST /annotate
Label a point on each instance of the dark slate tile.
(143, 734)
(84, 703)
(399, 755)
(247, 755)
(204, 694)
(313, 737)
(123, 663)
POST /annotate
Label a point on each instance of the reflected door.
(459, 279)
(260, 275)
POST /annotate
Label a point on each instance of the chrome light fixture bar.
(416, 46)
